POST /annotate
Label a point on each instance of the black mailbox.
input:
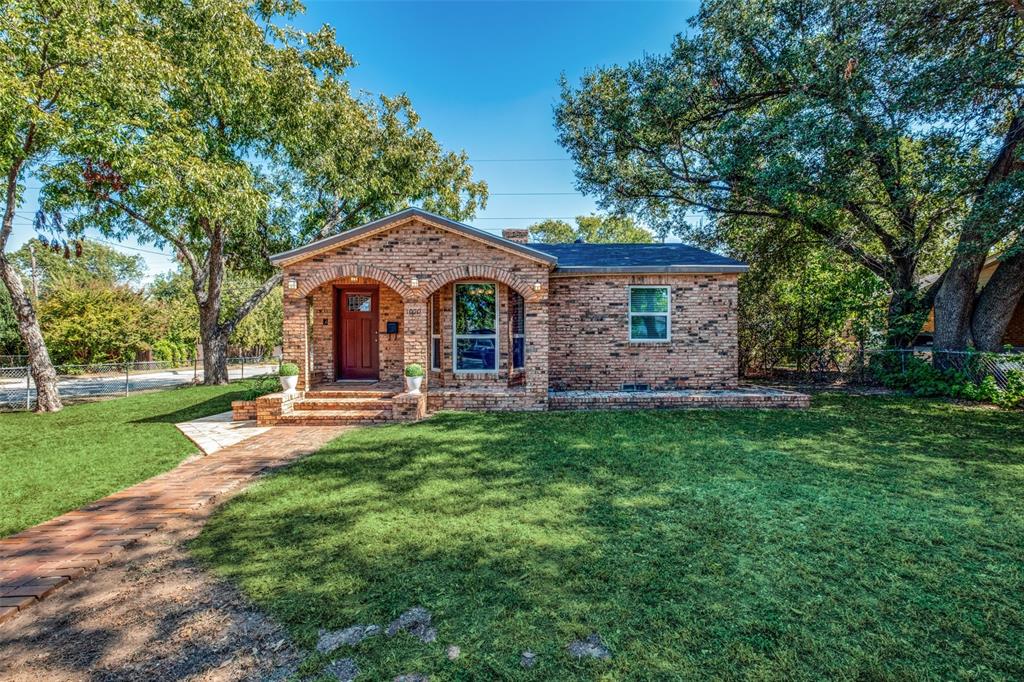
(392, 327)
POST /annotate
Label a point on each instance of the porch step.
(346, 403)
(318, 393)
(334, 417)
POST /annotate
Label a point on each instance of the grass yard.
(53, 463)
(865, 538)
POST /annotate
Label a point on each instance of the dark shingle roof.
(637, 257)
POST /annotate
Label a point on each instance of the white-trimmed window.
(649, 314)
(475, 323)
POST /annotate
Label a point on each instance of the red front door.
(356, 338)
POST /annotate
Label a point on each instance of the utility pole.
(35, 281)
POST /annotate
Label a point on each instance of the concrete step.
(344, 404)
(334, 417)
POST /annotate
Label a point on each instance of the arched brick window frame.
(330, 273)
(484, 272)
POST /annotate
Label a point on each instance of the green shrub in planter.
(414, 370)
(289, 369)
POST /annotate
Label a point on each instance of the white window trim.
(434, 357)
(667, 314)
(456, 336)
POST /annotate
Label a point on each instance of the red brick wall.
(430, 256)
(589, 341)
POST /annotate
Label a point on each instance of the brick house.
(500, 324)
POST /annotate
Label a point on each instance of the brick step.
(334, 417)
(316, 394)
(383, 404)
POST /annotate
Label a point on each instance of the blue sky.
(484, 77)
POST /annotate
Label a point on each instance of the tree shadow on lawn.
(204, 408)
(812, 543)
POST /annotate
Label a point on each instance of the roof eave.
(572, 270)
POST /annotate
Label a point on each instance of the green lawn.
(867, 538)
(53, 463)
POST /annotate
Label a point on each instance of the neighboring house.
(500, 324)
(1014, 335)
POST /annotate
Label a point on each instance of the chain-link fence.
(84, 382)
(864, 366)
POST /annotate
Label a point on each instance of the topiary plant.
(414, 370)
(289, 369)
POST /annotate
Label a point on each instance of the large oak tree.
(889, 130)
(258, 146)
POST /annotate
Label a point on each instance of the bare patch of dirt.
(151, 614)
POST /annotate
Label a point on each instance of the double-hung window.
(649, 316)
(476, 327)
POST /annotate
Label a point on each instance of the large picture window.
(476, 327)
(649, 314)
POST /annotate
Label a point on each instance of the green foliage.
(592, 229)
(258, 387)
(289, 369)
(96, 263)
(97, 323)
(10, 340)
(906, 372)
(800, 303)
(414, 370)
(259, 332)
(177, 354)
(856, 539)
(920, 377)
(873, 125)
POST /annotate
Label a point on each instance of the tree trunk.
(954, 303)
(215, 360)
(45, 377)
(215, 344)
(998, 301)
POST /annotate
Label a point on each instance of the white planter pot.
(412, 384)
(288, 383)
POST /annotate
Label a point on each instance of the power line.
(525, 160)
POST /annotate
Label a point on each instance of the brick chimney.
(517, 235)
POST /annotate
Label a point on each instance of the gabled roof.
(569, 259)
(396, 218)
(637, 258)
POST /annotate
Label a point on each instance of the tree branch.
(250, 303)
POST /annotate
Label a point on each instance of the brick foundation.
(742, 398)
(243, 410)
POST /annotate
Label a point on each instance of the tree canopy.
(45, 265)
(887, 130)
(594, 229)
(69, 72)
(254, 144)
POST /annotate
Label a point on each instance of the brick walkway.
(41, 559)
